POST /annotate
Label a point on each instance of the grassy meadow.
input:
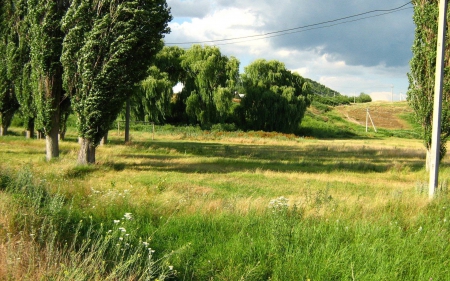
(186, 204)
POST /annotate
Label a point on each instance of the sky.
(351, 46)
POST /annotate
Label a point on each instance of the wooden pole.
(437, 107)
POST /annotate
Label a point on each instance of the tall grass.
(41, 240)
(233, 206)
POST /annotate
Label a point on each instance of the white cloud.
(368, 56)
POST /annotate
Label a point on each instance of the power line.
(309, 29)
(296, 29)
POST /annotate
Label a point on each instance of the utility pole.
(437, 107)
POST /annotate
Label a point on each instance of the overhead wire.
(299, 29)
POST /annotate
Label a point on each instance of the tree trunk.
(86, 154)
(4, 124)
(104, 140)
(127, 121)
(52, 143)
(30, 128)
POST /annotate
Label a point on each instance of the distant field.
(256, 206)
(385, 115)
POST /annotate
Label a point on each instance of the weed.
(36, 250)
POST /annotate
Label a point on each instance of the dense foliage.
(46, 39)
(107, 50)
(8, 65)
(275, 98)
(208, 85)
(422, 72)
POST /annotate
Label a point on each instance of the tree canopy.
(209, 82)
(275, 98)
(107, 50)
(421, 77)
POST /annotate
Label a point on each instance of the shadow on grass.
(81, 171)
(222, 158)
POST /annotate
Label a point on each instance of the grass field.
(225, 206)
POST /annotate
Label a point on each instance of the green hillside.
(390, 119)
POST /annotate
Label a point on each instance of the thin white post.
(153, 131)
(367, 117)
(437, 107)
(371, 121)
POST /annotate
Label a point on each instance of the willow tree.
(209, 83)
(275, 98)
(421, 77)
(168, 61)
(151, 99)
(107, 50)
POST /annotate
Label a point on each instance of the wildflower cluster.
(279, 204)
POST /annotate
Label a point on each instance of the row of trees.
(80, 55)
(91, 58)
(341, 99)
(274, 98)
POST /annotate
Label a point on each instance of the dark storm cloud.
(385, 39)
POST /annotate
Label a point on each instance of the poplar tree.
(8, 100)
(46, 70)
(421, 77)
(107, 50)
(17, 59)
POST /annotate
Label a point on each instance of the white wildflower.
(170, 267)
(122, 229)
(116, 221)
(127, 216)
(279, 204)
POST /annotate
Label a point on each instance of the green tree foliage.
(322, 90)
(168, 60)
(8, 67)
(46, 70)
(275, 98)
(363, 98)
(421, 77)
(152, 98)
(208, 85)
(107, 50)
(18, 58)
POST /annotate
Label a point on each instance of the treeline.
(265, 97)
(97, 59)
(327, 96)
(341, 99)
(81, 56)
(90, 58)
